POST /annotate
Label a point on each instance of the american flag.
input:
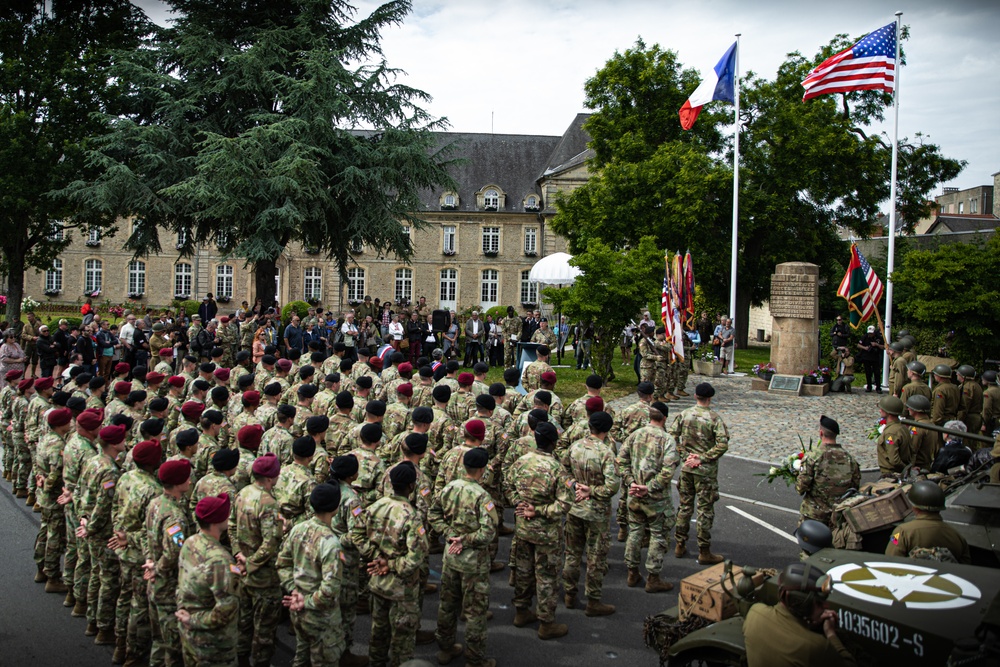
(874, 284)
(861, 288)
(868, 65)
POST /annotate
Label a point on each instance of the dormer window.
(449, 201)
(532, 203)
(491, 200)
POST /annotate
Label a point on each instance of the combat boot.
(682, 393)
(363, 606)
(351, 660)
(706, 557)
(91, 629)
(119, 654)
(425, 637)
(656, 585)
(55, 585)
(569, 600)
(446, 655)
(40, 577)
(524, 617)
(552, 630)
(671, 397)
(36, 508)
(21, 493)
(430, 589)
(30, 499)
(79, 609)
(622, 533)
(598, 608)
(634, 578)
(105, 637)
(681, 549)
(497, 566)
(70, 600)
(512, 578)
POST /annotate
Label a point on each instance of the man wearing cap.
(924, 443)
(7, 395)
(547, 384)
(897, 368)
(991, 401)
(265, 372)
(917, 385)
(371, 412)
(19, 437)
(970, 402)
(370, 467)
(465, 514)
(577, 410)
(268, 410)
(303, 408)
(175, 391)
(362, 395)
(343, 471)
(404, 375)
(207, 603)
(926, 530)
(947, 397)
(79, 447)
(327, 393)
(48, 479)
(580, 428)
(208, 443)
(893, 443)
(218, 479)
(450, 375)
(392, 541)
(702, 439)
(501, 415)
(278, 439)
(462, 404)
(544, 334)
(871, 346)
(647, 460)
(316, 428)
(98, 480)
(297, 481)
(249, 402)
(590, 461)
(190, 418)
(472, 435)
(225, 337)
(423, 389)
(397, 413)
(826, 474)
(256, 534)
(136, 489)
(531, 374)
(541, 399)
(311, 567)
(35, 426)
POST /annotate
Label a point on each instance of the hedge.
(301, 309)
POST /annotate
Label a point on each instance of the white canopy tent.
(555, 269)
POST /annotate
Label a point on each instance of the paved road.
(35, 629)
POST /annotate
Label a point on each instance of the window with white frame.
(94, 237)
(56, 231)
(222, 241)
(224, 281)
(529, 289)
(182, 279)
(491, 239)
(530, 240)
(313, 283)
(973, 205)
(490, 292)
(449, 200)
(448, 242)
(491, 199)
(449, 288)
(531, 203)
(93, 273)
(961, 207)
(355, 284)
(53, 276)
(182, 238)
(404, 285)
(137, 277)
(357, 245)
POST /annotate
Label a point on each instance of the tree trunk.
(15, 285)
(264, 274)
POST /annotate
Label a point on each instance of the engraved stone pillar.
(795, 317)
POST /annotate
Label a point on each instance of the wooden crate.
(878, 512)
(701, 594)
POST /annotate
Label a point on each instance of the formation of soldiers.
(183, 516)
(660, 365)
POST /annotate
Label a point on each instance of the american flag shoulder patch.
(569, 483)
(424, 491)
(110, 484)
(234, 569)
(490, 506)
(174, 529)
(421, 530)
(357, 510)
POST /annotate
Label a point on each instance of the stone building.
(475, 251)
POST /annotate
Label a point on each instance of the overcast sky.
(519, 66)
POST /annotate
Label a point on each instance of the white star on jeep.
(900, 586)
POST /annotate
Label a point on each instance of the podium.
(526, 353)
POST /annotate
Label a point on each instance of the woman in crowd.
(11, 355)
(395, 331)
(259, 343)
(451, 338)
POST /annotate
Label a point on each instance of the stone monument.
(795, 317)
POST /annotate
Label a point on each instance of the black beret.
(76, 371)
(268, 360)
(371, 433)
(270, 349)
(442, 393)
(307, 391)
(646, 388)
(422, 415)
(96, 383)
(662, 407)
(139, 372)
(476, 458)
(486, 402)
(159, 403)
(546, 434)
(543, 351)
(287, 411)
(187, 437)
(207, 367)
(220, 394)
(226, 459)
(332, 378)
(304, 447)
(512, 376)
(213, 416)
(306, 372)
(346, 365)
(479, 368)
(539, 414)
(452, 366)
(345, 400)
(152, 427)
(60, 397)
(343, 467)
(364, 352)
(416, 443)
(272, 389)
(397, 357)
(83, 378)
(704, 390)
(595, 381)
(829, 424)
(497, 389)
(601, 422)
(426, 372)
(76, 403)
(293, 354)
(317, 424)
(216, 352)
(543, 397)
(364, 382)
(403, 474)
(317, 357)
(244, 381)
(339, 347)
(325, 497)
(376, 408)
(133, 397)
(201, 385)
(242, 355)
(122, 419)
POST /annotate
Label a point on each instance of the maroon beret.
(475, 428)
(147, 452)
(174, 472)
(192, 410)
(405, 389)
(176, 381)
(548, 377)
(405, 367)
(59, 417)
(123, 387)
(154, 378)
(23, 385)
(466, 379)
(222, 374)
(251, 397)
(375, 362)
(284, 364)
(250, 436)
(89, 420)
(112, 435)
(267, 465)
(166, 352)
(594, 404)
(13, 374)
(121, 368)
(43, 383)
(213, 509)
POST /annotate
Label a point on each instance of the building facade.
(476, 249)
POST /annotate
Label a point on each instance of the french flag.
(720, 84)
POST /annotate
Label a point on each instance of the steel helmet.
(901, 333)
(813, 535)
(908, 341)
(891, 405)
(896, 346)
(927, 496)
(966, 371)
(801, 586)
(942, 370)
(989, 377)
(919, 403)
(917, 367)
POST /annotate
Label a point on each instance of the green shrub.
(189, 307)
(72, 321)
(497, 312)
(301, 309)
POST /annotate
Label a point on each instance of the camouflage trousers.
(123, 606)
(681, 371)
(208, 648)
(394, 630)
(72, 557)
(659, 521)
(537, 574)
(166, 651)
(647, 371)
(349, 595)
(510, 355)
(590, 537)
(23, 466)
(467, 592)
(669, 376)
(51, 541)
(138, 634)
(704, 488)
(621, 512)
(260, 615)
(9, 450)
(319, 638)
(81, 568)
(105, 582)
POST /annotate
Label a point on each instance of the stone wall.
(794, 307)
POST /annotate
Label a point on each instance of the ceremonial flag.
(718, 84)
(861, 288)
(669, 311)
(868, 65)
(689, 289)
(665, 316)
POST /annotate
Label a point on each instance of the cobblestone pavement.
(766, 427)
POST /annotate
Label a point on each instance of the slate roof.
(963, 223)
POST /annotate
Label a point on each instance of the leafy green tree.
(607, 293)
(242, 134)
(54, 60)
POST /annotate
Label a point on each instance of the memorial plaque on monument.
(794, 307)
(786, 384)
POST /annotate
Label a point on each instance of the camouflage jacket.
(545, 337)
(370, 472)
(461, 406)
(340, 425)
(266, 414)
(207, 584)
(19, 412)
(510, 399)
(35, 425)
(699, 430)
(392, 450)
(98, 481)
(213, 484)
(577, 411)
(256, 532)
(592, 463)
(348, 511)
(421, 496)
(649, 457)
(538, 479)
(527, 402)
(531, 376)
(78, 449)
(323, 401)
(388, 529)
(292, 493)
(511, 329)
(207, 447)
(278, 441)
(423, 396)
(465, 509)
(302, 413)
(167, 526)
(396, 420)
(136, 489)
(312, 561)
(49, 464)
(827, 472)
(452, 467)
(518, 448)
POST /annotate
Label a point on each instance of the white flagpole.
(736, 198)
(890, 264)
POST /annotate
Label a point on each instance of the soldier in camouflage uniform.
(34, 428)
(225, 337)
(98, 481)
(702, 439)
(7, 395)
(136, 489)
(341, 422)
(394, 545)
(343, 472)
(19, 438)
(423, 390)
(207, 601)
(544, 335)
(649, 357)
(303, 409)
(683, 367)
(541, 493)
(165, 364)
(79, 447)
(531, 374)
(647, 460)
(208, 442)
(256, 531)
(545, 392)
(297, 481)
(278, 439)
(316, 428)
(310, 567)
(326, 395)
(666, 365)
(397, 414)
(96, 389)
(370, 466)
(591, 463)
(827, 472)
(51, 541)
(462, 403)
(465, 514)
(511, 329)
(218, 480)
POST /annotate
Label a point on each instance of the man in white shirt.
(350, 335)
(473, 339)
(126, 335)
